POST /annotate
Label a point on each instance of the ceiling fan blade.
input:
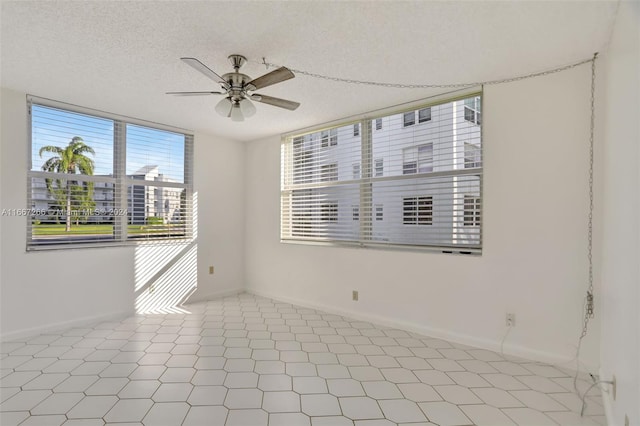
(193, 62)
(270, 100)
(194, 93)
(276, 76)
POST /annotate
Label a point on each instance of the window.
(418, 159)
(409, 119)
(356, 129)
(302, 160)
(329, 172)
(329, 138)
(417, 210)
(472, 110)
(379, 167)
(409, 167)
(471, 210)
(356, 171)
(472, 156)
(403, 188)
(107, 194)
(424, 115)
(329, 212)
(379, 212)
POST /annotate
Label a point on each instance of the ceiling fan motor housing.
(237, 85)
(237, 61)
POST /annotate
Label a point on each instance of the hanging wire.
(584, 397)
(588, 302)
(428, 86)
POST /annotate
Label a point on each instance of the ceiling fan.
(238, 88)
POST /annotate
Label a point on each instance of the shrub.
(153, 220)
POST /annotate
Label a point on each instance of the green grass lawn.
(59, 229)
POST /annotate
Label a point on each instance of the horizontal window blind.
(97, 179)
(403, 179)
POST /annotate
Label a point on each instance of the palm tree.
(70, 159)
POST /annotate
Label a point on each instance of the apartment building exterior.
(143, 201)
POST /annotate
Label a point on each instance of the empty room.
(365, 213)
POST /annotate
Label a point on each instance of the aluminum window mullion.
(366, 152)
(119, 170)
(190, 201)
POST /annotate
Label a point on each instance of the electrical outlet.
(510, 320)
(210, 270)
(354, 295)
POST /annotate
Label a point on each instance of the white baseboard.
(492, 345)
(28, 333)
(196, 297)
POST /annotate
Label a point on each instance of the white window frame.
(379, 167)
(420, 156)
(472, 156)
(121, 181)
(421, 214)
(329, 211)
(408, 119)
(329, 138)
(356, 170)
(355, 212)
(471, 211)
(379, 212)
(472, 110)
(329, 172)
(424, 115)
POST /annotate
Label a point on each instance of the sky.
(145, 146)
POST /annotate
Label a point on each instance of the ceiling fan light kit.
(236, 113)
(248, 108)
(238, 88)
(224, 107)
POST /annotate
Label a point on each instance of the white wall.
(50, 289)
(219, 183)
(620, 115)
(534, 261)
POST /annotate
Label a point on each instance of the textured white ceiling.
(122, 56)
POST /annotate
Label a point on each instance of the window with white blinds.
(412, 179)
(101, 179)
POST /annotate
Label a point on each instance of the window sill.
(466, 251)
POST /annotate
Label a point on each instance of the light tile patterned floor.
(247, 360)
